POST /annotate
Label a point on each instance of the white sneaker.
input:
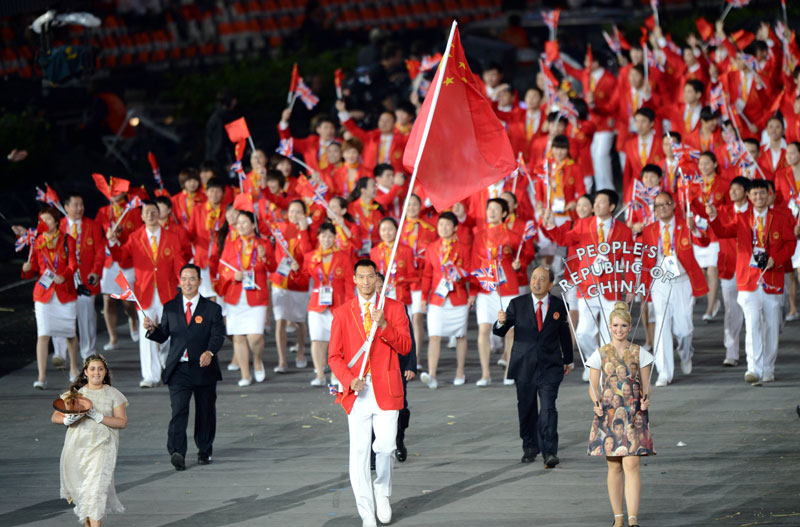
(717, 305)
(334, 380)
(233, 367)
(58, 362)
(291, 328)
(585, 375)
(260, 375)
(369, 523)
(707, 317)
(792, 318)
(508, 382)
(40, 385)
(73, 378)
(750, 377)
(110, 346)
(433, 384)
(730, 362)
(502, 362)
(146, 384)
(768, 377)
(293, 348)
(318, 382)
(662, 381)
(279, 369)
(483, 383)
(686, 367)
(245, 382)
(459, 381)
(135, 336)
(425, 377)
(383, 509)
(451, 342)
(300, 364)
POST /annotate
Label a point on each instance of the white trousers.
(592, 319)
(761, 322)
(87, 329)
(364, 418)
(152, 355)
(601, 159)
(673, 318)
(734, 317)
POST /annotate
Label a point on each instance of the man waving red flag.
(465, 136)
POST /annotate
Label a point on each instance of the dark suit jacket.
(206, 332)
(549, 350)
(409, 362)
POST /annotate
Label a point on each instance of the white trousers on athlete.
(364, 418)
(734, 317)
(601, 159)
(87, 329)
(761, 322)
(592, 315)
(673, 319)
(152, 355)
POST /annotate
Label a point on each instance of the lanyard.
(252, 254)
(54, 265)
(754, 231)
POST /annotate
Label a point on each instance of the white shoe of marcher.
(433, 384)
(245, 382)
(317, 382)
(750, 377)
(508, 382)
(233, 367)
(686, 367)
(459, 381)
(482, 383)
(146, 384)
(369, 523)
(585, 375)
(425, 377)
(135, 336)
(300, 364)
(279, 369)
(730, 362)
(260, 375)
(383, 509)
(40, 385)
(662, 381)
(502, 362)
(768, 377)
(451, 342)
(110, 346)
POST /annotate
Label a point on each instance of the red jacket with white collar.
(90, 252)
(42, 258)
(682, 241)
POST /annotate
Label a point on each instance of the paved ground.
(280, 453)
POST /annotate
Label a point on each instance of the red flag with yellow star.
(467, 147)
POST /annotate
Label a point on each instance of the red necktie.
(539, 321)
(188, 313)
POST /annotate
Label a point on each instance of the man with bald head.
(540, 358)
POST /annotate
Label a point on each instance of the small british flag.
(613, 44)
(286, 147)
(127, 292)
(646, 195)
(738, 3)
(679, 150)
(550, 19)
(738, 154)
(306, 95)
(25, 240)
(717, 99)
(530, 231)
(750, 61)
(487, 276)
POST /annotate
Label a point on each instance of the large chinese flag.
(467, 148)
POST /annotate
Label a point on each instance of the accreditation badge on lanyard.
(285, 267)
(49, 275)
(670, 265)
(444, 288)
(249, 280)
(325, 292)
(558, 206)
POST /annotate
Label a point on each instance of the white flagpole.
(425, 131)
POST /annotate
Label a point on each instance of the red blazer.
(584, 233)
(163, 272)
(299, 243)
(603, 111)
(432, 273)
(418, 234)
(572, 183)
(676, 115)
(785, 186)
(66, 266)
(726, 261)
(405, 274)
(230, 289)
(347, 336)
(633, 162)
(131, 222)
(528, 252)
(755, 104)
(181, 205)
(516, 126)
(90, 252)
(342, 184)
(767, 157)
(372, 143)
(580, 142)
(780, 246)
(718, 196)
(183, 236)
(307, 146)
(202, 231)
(368, 223)
(715, 144)
(488, 241)
(338, 275)
(392, 201)
(682, 241)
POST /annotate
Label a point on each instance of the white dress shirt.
(545, 304)
(185, 356)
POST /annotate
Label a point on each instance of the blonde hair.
(620, 311)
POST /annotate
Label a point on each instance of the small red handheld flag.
(338, 77)
(237, 130)
(293, 83)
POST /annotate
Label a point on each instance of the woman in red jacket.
(417, 234)
(330, 270)
(367, 213)
(243, 269)
(402, 273)
(53, 261)
(348, 234)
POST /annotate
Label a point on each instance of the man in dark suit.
(540, 358)
(196, 331)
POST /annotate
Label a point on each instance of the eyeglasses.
(660, 205)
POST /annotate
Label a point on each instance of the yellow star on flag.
(462, 65)
(448, 81)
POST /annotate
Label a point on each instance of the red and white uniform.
(379, 147)
(402, 275)
(204, 224)
(445, 275)
(132, 221)
(184, 203)
(331, 272)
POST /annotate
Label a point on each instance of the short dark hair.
(216, 182)
(707, 114)
(536, 89)
(147, 202)
(276, 175)
(617, 421)
(655, 169)
(550, 274)
(675, 135)
(758, 183)
(696, 84)
(210, 166)
(711, 155)
(389, 219)
(647, 113)
(71, 194)
(326, 227)
(742, 182)
(503, 205)
(406, 106)
(561, 141)
(365, 262)
(163, 200)
(301, 202)
(380, 168)
(191, 266)
(613, 197)
(751, 141)
(449, 216)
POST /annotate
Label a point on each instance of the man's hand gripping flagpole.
(365, 348)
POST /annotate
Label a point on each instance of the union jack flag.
(751, 62)
(286, 147)
(430, 61)
(25, 240)
(136, 201)
(455, 273)
(613, 43)
(237, 169)
(738, 153)
(127, 292)
(550, 18)
(646, 195)
(680, 150)
(320, 189)
(530, 231)
(50, 197)
(717, 99)
(565, 106)
(651, 60)
(306, 95)
(780, 32)
(487, 276)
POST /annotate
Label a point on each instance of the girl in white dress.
(90, 449)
